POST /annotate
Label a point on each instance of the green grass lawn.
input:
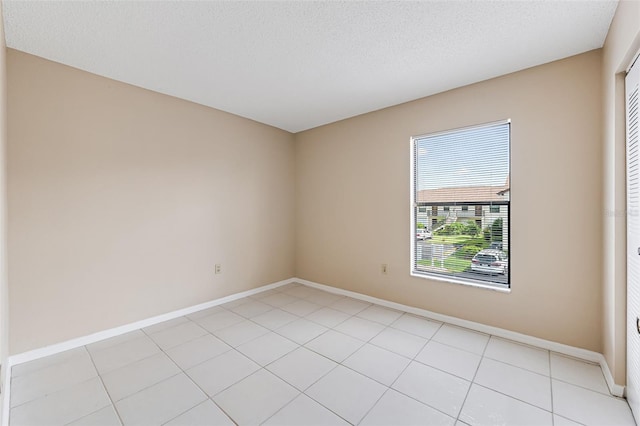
(454, 264)
(464, 240)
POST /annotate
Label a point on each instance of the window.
(464, 167)
(422, 209)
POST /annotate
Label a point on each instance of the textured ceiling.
(298, 65)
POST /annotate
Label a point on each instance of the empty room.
(320, 212)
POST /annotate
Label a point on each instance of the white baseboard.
(595, 357)
(584, 354)
(112, 332)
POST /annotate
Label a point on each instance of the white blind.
(462, 199)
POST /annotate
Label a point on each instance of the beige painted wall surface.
(353, 205)
(121, 201)
(623, 41)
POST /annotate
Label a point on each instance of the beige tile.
(252, 309)
(240, 333)
(349, 306)
(219, 320)
(301, 368)
(121, 353)
(73, 370)
(64, 406)
(462, 338)
(267, 348)
(334, 345)
(516, 382)
(136, 376)
(452, 360)
(323, 298)
(116, 340)
(31, 366)
(360, 328)
(400, 342)
(197, 351)
(301, 331)
(255, 398)
(397, 409)
(278, 299)
(417, 325)
(589, 407)
(177, 335)
(523, 356)
(380, 314)
(161, 402)
(300, 308)
(435, 388)
(347, 393)
(327, 317)
(205, 414)
(221, 372)
(274, 319)
(487, 407)
(305, 411)
(578, 373)
(104, 417)
(379, 364)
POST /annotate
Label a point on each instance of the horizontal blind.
(462, 200)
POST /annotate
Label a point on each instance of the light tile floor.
(296, 355)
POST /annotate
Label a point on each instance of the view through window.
(461, 204)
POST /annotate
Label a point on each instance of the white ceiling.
(300, 64)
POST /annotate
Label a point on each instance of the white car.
(490, 261)
(423, 234)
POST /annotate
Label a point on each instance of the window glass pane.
(463, 168)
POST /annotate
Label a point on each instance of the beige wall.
(623, 41)
(353, 211)
(121, 201)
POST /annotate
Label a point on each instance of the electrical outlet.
(383, 269)
(218, 268)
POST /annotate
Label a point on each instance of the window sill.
(461, 281)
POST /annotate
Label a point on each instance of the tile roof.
(464, 194)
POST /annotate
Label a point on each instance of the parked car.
(423, 234)
(490, 261)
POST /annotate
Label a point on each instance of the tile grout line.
(405, 368)
(472, 382)
(429, 366)
(113, 404)
(303, 345)
(161, 351)
(182, 371)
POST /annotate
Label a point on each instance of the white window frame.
(413, 205)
